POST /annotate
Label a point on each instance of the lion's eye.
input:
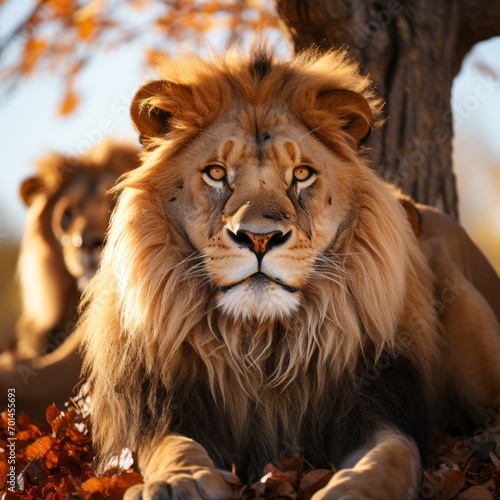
(216, 172)
(67, 216)
(214, 175)
(304, 174)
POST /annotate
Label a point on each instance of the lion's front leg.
(180, 469)
(389, 469)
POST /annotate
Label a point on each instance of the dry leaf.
(40, 448)
(476, 493)
(313, 481)
(113, 487)
(86, 28)
(32, 432)
(4, 469)
(33, 51)
(69, 102)
(495, 460)
(450, 482)
(61, 8)
(293, 464)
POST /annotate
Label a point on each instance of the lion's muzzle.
(259, 243)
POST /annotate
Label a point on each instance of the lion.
(263, 292)
(68, 214)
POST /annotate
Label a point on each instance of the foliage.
(63, 36)
(57, 462)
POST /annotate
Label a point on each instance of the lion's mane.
(162, 357)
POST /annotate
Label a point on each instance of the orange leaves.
(197, 22)
(288, 481)
(57, 34)
(70, 101)
(42, 448)
(86, 20)
(57, 463)
(70, 98)
(60, 8)
(212, 7)
(448, 481)
(457, 472)
(231, 19)
(33, 51)
(4, 469)
(111, 487)
(86, 28)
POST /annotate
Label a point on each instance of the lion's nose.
(259, 243)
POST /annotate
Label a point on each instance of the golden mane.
(151, 322)
(222, 80)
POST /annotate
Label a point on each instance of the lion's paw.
(334, 495)
(202, 485)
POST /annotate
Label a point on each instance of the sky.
(476, 157)
(35, 127)
(31, 125)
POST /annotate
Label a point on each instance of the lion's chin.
(261, 300)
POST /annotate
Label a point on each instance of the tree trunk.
(411, 49)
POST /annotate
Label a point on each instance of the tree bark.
(411, 49)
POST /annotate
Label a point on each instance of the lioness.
(68, 214)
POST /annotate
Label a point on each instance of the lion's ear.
(28, 189)
(351, 107)
(147, 113)
(155, 105)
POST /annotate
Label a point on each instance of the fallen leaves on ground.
(457, 471)
(287, 480)
(57, 462)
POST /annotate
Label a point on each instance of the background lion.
(68, 214)
(262, 291)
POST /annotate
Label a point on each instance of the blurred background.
(68, 101)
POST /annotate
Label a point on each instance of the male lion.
(68, 214)
(262, 291)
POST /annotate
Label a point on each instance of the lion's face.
(69, 208)
(260, 190)
(263, 209)
(70, 205)
(79, 221)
